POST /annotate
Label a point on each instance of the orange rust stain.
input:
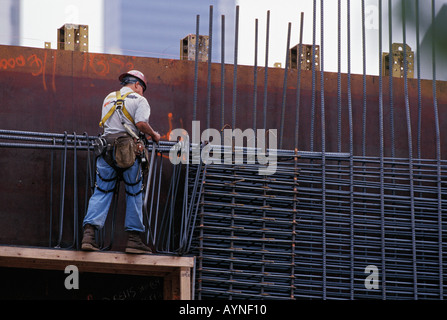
(166, 136)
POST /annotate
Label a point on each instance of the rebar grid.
(312, 229)
(252, 228)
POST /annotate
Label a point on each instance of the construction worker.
(125, 114)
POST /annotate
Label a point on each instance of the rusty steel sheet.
(44, 90)
(63, 90)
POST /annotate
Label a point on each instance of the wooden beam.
(185, 283)
(175, 270)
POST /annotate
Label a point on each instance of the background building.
(154, 28)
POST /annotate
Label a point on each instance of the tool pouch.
(124, 151)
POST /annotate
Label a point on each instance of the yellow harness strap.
(120, 104)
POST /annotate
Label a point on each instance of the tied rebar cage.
(262, 236)
(169, 205)
(367, 221)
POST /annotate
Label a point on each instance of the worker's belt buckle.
(99, 146)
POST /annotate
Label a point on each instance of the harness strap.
(116, 178)
(135, 194)
(120, 105)
(114, 188)
(133, 184)
(104, 179)
(105, 191)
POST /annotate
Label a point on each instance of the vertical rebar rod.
(186, 209)
(51, 193)
(381, 143)
(410, 153)
(75, 194)
(323, 148)
(364, 79)
(351, 150)
(233, 125)
(284, 89)
(236, 42)
(390, 79)
(418, 70)
(298, 81)
(391, 89)
(294, 211)
(196, 69)
(222, 74)
(255, 77)
(62, 199)
(312, 112)
(264, 215)
(339, 90)
(200, 258)
(339, 77)
(153, 168)
(210, 52)
(232, 226)
(267, 34)
(263, 237)
(438, 155)
(363, 138)
(89, 184)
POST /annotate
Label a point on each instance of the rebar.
(313, 227)
(254, 232)
(260, 236)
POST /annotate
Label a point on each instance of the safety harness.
(119, 106)
(117, 178)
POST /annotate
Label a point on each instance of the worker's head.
(134, 79)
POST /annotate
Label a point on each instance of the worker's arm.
(147, 129)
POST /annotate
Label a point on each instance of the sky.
(38, 28)
(51, 15)
(39, 21)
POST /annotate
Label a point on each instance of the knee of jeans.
(134, 188)
(133, 177)
(104, 171)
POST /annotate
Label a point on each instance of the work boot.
(88, 240)
(134, 243)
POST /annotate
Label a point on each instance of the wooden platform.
(176, 271)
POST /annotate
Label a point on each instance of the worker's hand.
(156, 136)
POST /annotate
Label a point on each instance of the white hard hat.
(137, 74)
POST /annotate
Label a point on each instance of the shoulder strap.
(120, 104)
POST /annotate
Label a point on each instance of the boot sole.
(138, 251)
(88, 247)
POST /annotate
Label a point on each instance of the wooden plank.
(175, 270)
(118, 261)
(185, 283)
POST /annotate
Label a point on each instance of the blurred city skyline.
(153, 28)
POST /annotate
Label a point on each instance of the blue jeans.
(100, 201)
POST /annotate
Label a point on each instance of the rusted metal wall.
(55, 91)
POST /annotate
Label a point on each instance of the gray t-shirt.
(135, 104)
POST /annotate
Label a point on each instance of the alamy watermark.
(211, 147)
(72, 280)
(372, 280)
